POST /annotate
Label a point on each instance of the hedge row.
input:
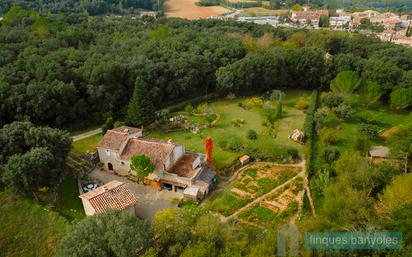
(310, 133)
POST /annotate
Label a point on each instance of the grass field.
(86, 145)
(69, 204)
(254, 118)
(260, 11)
(28, 229)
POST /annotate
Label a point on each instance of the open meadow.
(229, 134)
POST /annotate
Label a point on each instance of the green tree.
(371, 91)
(108, 124)
(401, 98)
(330, 155)
(13, 140)
(251, 134)
(141, 109)
(401, 145)
(26, 173)
(120, 234)
(142, 165)
(346, 82)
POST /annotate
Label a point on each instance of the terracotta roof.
(379, 151)
(113, 195)
(244, 158)
(156, 150)
(114, 138)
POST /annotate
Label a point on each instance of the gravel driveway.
(149, 200)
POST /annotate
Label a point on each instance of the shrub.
(343, 111)
(301, 104)
(277, 95)
(238, 122)
(401, 98)
(189, 108)
(328, 136)
(320, 118)
(293, 153)
(278, 114)
(362, 143)
(330, 155)
(201, 108)
(254, 101)
(251, 134)
(369, 131)
(332, 100)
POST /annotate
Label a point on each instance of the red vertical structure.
(209, 150)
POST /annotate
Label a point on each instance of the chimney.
(126, 130)
(209, 150)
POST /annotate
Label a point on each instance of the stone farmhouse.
(175, 168)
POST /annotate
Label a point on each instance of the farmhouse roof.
(156, 150)
(114, 138)
(379, 151)
(113, 195)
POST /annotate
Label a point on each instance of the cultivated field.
(260, 194)
(188, 9)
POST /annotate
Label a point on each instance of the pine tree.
(141, 110)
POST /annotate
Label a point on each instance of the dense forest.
(60, 69)
(92, 7)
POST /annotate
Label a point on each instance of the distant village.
(387, 26)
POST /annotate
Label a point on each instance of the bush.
(343, 111)
(251, 134)
(332, 100)
(201, 108)
(302, 104)
(293, 153)
(330, 155)
(328, 136)
(369, 131)
(320, 118)
(362, 144)
(189, 108)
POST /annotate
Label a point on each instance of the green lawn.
(378, 114)
(28, 229)
(254, 117)
(86, 145)
(69, 204)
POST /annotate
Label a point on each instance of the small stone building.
(379, 154)
(113, 195)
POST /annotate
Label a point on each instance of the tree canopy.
(113, 233)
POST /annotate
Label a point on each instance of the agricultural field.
(255, 181)
(36, 229)
(229, 133)
(260, 11)
(188, 9)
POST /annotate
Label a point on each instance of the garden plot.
(279, 207)
(259, 179)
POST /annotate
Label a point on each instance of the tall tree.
(110, 234)
(141, 109)
(25, 173)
